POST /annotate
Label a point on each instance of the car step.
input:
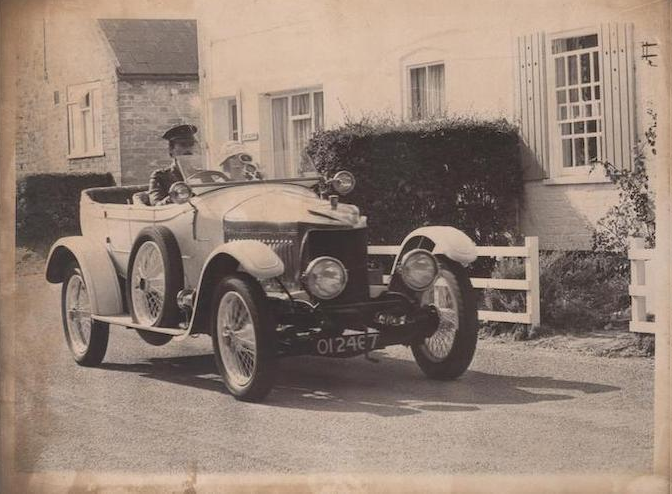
(127, 321)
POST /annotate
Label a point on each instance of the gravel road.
(148, 409)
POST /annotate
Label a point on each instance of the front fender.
(254, 257)
(97, 268)
(448, 241)
(250, 256)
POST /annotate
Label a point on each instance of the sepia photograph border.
(11, 14)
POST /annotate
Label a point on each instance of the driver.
(181, 142)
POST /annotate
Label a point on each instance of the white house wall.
(357, 53)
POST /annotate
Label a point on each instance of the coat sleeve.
(157, 191)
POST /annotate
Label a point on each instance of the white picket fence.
(638, 290)
(529, 252)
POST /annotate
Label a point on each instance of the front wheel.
(447, 353)
(86, 337)
(243, 337)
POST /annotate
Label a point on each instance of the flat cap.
(180, 132)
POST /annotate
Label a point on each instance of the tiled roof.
(157, 48)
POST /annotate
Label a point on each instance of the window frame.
(557, 171)
(408, 95)
(74, 92)
(228, 101)
(288, 94)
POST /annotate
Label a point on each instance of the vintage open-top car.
(268, 268)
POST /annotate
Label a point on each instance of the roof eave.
(165, 77)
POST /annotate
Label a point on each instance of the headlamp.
(325, 277)
(418, 269)
(180, 192)
(343, 182)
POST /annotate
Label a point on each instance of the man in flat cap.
(181, 141)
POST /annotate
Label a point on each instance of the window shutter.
(618, 86)
(532, 104)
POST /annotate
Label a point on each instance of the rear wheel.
(243, 337)
(86, 338)
(447, 353)
(155, 277)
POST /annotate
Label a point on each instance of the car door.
(118, 234)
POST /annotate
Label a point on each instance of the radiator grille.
(284, 244)
(298, 244)
(348, 246)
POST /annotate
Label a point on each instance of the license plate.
(346, 345)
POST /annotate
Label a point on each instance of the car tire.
(242, 324)
(147, 305)
(449, 351)
(86, 338)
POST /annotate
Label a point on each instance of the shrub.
(460, 172)
(504, 300)
(582, 291)
(579, 292)
(634, 214)
(47, 205)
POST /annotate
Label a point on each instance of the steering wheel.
(207, 176)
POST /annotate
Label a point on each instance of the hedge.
(580, 291)
(47, 205)
(460, 172)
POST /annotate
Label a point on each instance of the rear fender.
(97, 268)
(448, 241)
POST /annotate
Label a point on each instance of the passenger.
(181, 142)
(238, 165)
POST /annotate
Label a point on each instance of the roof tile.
(153, 47)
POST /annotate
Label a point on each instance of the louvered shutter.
(618, 86)
(532, 105)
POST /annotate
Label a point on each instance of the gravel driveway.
(148, 409)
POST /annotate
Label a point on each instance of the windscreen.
(194, 171)
(202, 179)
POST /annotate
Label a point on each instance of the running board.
(127, 321)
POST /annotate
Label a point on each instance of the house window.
(578, 101)
(85, 132)
(426, 85)
(225, 115)
(294, 118)
(575, 101)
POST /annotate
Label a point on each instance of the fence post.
(637, 278)
(532, 276)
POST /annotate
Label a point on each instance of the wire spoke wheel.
(78, 314)
(86, 337)
(237, 342)
(442, 296)
(242, 326)
(148, 283)
(448, 352)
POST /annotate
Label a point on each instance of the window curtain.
(319, 110)
(435, 79)
(301, 136)
(418, 96)
(301, 104)
(280, 119)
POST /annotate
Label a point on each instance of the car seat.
(141, 199)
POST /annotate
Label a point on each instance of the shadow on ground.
(392, 387)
